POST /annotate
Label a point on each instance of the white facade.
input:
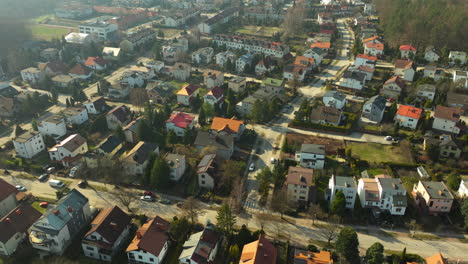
(8, 204)
(54, 126)
(313, 158)
(267, 50)
(91, 250)
(364, 61)
(346, 185)
(205, 180)
(203, 55)
(431, 56)
(8, 248)
(32, 75)
(372, 51)
(405, 121)
(179, 131)
(60, 151)
(407, 75)
(457, 55)
(463, 189)
(29, 144)
(100, 29)
(445, 125)
(77, 116)
(223, 57)
(142, 256)
(177, 167)
(311, 53)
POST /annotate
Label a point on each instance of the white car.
(388, 138)
(272, 160)
(72, 172)
(147, 198)
(20, 188)
(252, 166)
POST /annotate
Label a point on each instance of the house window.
(398, 210)
(90, 248)
(151, 259)
(131, 255)
(140, 257)
(203, 182)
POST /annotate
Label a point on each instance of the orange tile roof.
(376, 46)
(370, 39)
(261, 251)
(321, 45)
(221, 124)
(409, 111)
(407, 48)
(367, 57)
(301, 60)
(322, 257)
(436, 259)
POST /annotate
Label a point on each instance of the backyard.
(377, 153)
(48, 32)
(258, 31)
(168, 32)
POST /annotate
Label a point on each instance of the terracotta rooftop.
(261, 251)
(410, 111)
(151, 236)
(300, 176)
(221, 124)
(377, 46)
(448, 113)
(307, 257)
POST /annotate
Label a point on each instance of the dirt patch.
(331, 145)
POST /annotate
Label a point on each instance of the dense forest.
(422, 23)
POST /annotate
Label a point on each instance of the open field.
(48, 32)
(168, 32)
(373, 152)
(258, 31)
(331, 145)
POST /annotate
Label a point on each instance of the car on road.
(50, 170)
(73, 172)
(56, 183)
(20, 188)
(43, 177)
(165, 201)
(388, 138)
(252, 166)
(147, 198)
(83, 184)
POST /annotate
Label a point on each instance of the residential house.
(373, 39)
(63, 80)
(335, 99)
(373, 109)
(187, 93)
(431, 71)
(436, 259)
(274, 86)
(457, 100)
(110, 148)
(69, 150)
(215, 96)
(408, 116)
(252, 45)
(223, 57)
(169, 53)
(237, 84)
(326, 115)
(54, 126)
(96, 105)
(15, 227)
(261, 251)
(28, 144)
(213, 79)
(102, 30)
(177, 165)
(294, 72)
(407, 52)
(131, 130)
(222, 17)
(179, 122)
(447, 119)
(157, 66)
(393, 87)
(461, 77)
(119, 90)
(81, 72)
(311, 156)
(146, 73)
(353, 80)
(8, 199)
(141, 35)
(135, 160)
(224, 144)
(463, 189)
(365, 60)
(53, 68)
(384, 193)
(347, 185)
(201, 247)
(325, 47)
(203, 55)
(76, 115)
(227, 126)
(299, 185)
(181, 71)
(96, 63)
(449, 147)
(59, 226)
(118, 116)
(244, 61)
(75, 38)
(308, 257)
(367, 70)
(431, 54)
(108, 233)
(433, 198)
(207, 171)
(405, 69)
(265, 65)
(426, 92)
(457, 57)
(374, 49)
(110, 53)
(316, 53)
(181, 17)
(151, 242)
(245, 106)
(32, 75)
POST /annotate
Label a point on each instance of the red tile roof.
(80, 69)
(370, 39)
(305, 61)
(217, 92)
(403, 64)
(300, 176)
(261, 251)
(321, 45)
(367, 57)
(366, 68)
(407, 48)
(449, 113)
(151, 237)
(17, 221)
(91, 61)
(110, 223)
(222, 124)
(377, 46)
(180, 119)
(397, 80)
(409, 111)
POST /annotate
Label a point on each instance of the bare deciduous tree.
(125, 197)
(192, 209)
(237, 195)
(315, 211)
(330, 230)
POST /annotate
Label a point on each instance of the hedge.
(338, 129)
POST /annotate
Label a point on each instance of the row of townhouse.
(274, 49)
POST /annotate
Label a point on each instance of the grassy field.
(373, 152)
(36, 206)
(258, 31)
(168, 32)
(48, 32)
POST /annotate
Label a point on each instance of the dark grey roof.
(26, 136)
(344, 181)
(454, 99)
(313, 148)
(206, 163)
(237, 79)
(378, 101)
(358, 76)
(391, 183)
(336, 95)
(218, 141)
(110, 144)
(427, 87)
(437, 190)
(318, 51)
(173, 160)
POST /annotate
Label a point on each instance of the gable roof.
(261, 251)
(307, 257)
(378, 101)
(180, 119)
(110, 144)
(305, 61)
(226, 124)
(188, 89)
(300, 176)
(139, 153)
(109, 223)
(321, 45)
(448, 113)
(326, 113)
(91, 61)
(18, 221)
(377, 46)
(436, 259)
(225, 142)
(6, 190)
(404, 64)
(216, 92)
(54, 66)
(199, 245)
(151, 236)
(367, 57)
(71, 143)
(409, 111)
(206, 163)
(122, 113)
(79, 69)
(397, 80)
(407, 48)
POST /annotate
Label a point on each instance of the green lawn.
(36, 206)
(48, 32)
(373, 152)
(258, 31)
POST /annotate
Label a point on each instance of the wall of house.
(11, 245)
(297, 192)
(312, 161)
(8, 204)
(29, 148)
(78, 119)
(143, 257)
(206, 181)
(405, 121)
(59, 244)
(445, 125)
(59, 129)
(183, 99)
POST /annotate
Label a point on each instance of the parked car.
(272, 160)
(83, 184)
(252, 166)
(50, 170)
(43, 177)
(56, 183)
(388, 138)
(20, 188)
(44, 204)
(147, 198)
(73, 172)
(149, 193)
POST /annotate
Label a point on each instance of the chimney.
(57, 212)
(260, 244)
(69, 209)
(8, 220)
(18, 212)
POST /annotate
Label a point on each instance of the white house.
(151, 242)
(223, 57)
(334, 99)
(81, 72)
(207, 172)
(15, 227)
(108, 232)
(7, 198)
(311, 156)
(118, 116)
(366, 60)
(32, 75)
(68, 149)
(299, 183)
(237, 84)
(96, 63)
(132, 78)
(384, 193)
(178, 122)
(426, 91)
(405, 69)
(76, 115)
(462, 77)
(102, 30)
(95, 105)
(213, 79)
(28, 144)
(181, 71)
(214, 96)
(315, 53)
(186, 94)
(408, 116)
(353, 80)
(407, 51)
(431, 54)
(55, 230)
(463, 189)
(243, 61)
(457, 56)
(203, 55)
(393, 87)
(374, 108)
(373, 49)
(54, 126)
(177, 165)
(447, 119)
(347, 185)
(135, 160)
(201, 247)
